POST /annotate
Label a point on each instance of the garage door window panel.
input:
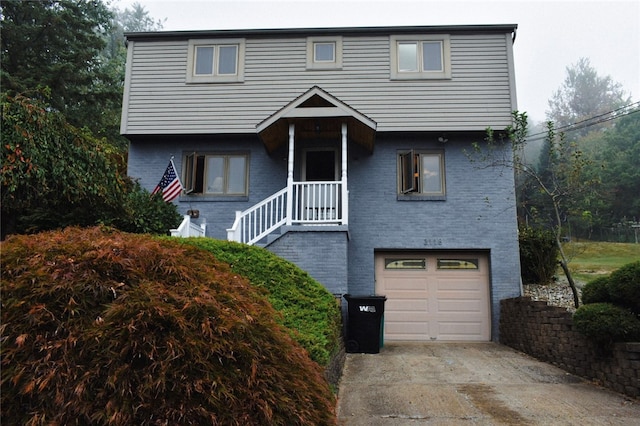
(405, 264)
(457, 264)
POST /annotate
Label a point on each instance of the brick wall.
(547, 333)
(319, 250)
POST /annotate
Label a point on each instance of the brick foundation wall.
(547, 333)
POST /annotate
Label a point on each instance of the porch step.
(270, 238)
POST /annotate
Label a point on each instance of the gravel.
(557, 293)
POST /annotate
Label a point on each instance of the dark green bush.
(538, 255)
(102, 327)
(596, 291)
(605, 323)
(308, 310)
(624, 286)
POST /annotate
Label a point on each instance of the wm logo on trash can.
(371, 309)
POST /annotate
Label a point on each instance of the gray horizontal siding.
(158, 100)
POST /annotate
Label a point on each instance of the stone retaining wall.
(547, 333)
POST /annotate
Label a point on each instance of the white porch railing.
(308, 203)
(188, 229)
(316, 203)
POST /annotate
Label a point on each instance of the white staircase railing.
(260, 220)
(308, 203)
(188, 229)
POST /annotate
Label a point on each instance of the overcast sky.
(551, 36)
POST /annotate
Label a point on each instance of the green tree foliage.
(611, 306)
(538, 255)
(615, 155)
(606, 323)
(598, 121)
(75, 48)
(101, 327)
(58, 44)
(584, 95)
(596, 291)
(55, 175)
(624, 287)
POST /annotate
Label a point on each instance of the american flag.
(169, 185)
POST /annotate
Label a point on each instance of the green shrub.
(308, 310)
(606, 323)
(624, 286)
(101, 327)
(538, 255)
(596, 291)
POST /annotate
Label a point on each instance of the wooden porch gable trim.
(316, 104)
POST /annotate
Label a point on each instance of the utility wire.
(588, 122)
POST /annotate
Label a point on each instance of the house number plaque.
(432, 242)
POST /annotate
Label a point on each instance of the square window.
(421, 173)
(324, 53)
(209, 61)
(420, 57)
(216, 174)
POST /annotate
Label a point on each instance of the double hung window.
(421, 173)
(216, 174)
(211, 61)
(420, 57)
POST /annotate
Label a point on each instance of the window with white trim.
(324, 53)
(215, 61)
(421, 173)
(216, 174)
(420, 57)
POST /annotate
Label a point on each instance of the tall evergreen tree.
(58, 44)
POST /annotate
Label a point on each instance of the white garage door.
(434, 296)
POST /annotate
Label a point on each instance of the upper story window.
(215, 61)
(421, 173)
(420, 57)
(219, 174)
(324, 52)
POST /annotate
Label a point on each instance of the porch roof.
(316, 113)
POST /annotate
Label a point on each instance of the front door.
(320, 197)
(320, 165)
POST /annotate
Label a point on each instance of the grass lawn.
(591, 259)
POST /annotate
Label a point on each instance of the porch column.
(343, 177)
(292, 128)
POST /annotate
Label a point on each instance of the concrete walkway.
(471, 384)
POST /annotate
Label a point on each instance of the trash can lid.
(364, 296)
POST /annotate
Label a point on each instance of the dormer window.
(420, 57)
(212, 61)
(324, 53)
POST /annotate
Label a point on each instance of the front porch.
(319, 128)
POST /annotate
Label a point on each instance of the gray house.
(342, 150)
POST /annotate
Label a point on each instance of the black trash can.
(365, 323)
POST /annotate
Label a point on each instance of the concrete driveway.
(471, 384)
